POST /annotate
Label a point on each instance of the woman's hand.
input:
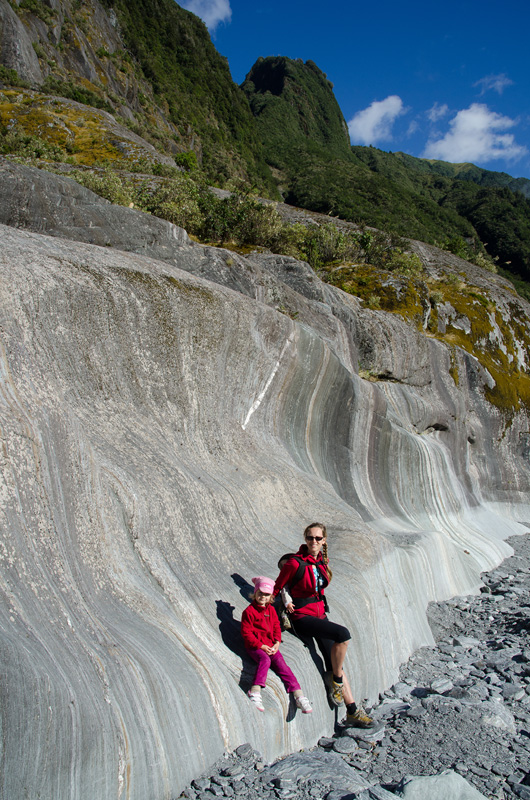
(289, 608)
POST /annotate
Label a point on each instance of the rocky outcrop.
(16, 49)
(171, 417)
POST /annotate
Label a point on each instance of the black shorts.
(325, 633)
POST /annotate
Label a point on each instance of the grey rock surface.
(448, 785)
(165, 438)
(16, 47)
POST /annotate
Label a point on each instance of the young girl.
(260, 628)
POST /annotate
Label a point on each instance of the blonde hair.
(324, 544)
(252, 597)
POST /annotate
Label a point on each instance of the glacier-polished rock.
(164, 439)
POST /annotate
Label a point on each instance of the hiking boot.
(303, 704)
(359, 719)
(334, 689)
(255, 698)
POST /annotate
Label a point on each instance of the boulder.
(449, 785)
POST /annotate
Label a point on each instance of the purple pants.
(277, 662)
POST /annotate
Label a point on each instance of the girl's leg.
(264, 662)
(280, 667)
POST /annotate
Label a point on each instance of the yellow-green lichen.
(85, 133)
(381, 289)
(494, 341)
(472, 322)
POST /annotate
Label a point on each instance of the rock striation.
(172, 416)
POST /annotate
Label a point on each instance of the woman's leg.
(333, 640)
(338, 654)
(346, 690)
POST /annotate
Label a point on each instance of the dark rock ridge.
(167, 431)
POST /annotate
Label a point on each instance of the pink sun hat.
(263, 584)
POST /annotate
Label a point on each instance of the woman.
(307, 611)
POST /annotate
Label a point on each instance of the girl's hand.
(289, 608)
(274, 649)
(267, 649)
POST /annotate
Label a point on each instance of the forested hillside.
(146, 91)
(458, 206)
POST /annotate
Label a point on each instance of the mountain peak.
(294, 105)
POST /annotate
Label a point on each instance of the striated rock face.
(166, 434)
(16, 48)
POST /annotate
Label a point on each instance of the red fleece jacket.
(260, 625)
(306, 587)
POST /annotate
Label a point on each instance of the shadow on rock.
(230, 630)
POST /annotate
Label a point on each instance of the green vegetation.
(40, 9)
(187, 161)
(192, 82)
(15, 141)
(73, 91)
(295, 108)
(241, 221)
(467, 172)
(283, 121)
(305, 140)
(10, 77)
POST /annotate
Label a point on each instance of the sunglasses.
(314, 538)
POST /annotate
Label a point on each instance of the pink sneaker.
(255, 697)
(304, 704)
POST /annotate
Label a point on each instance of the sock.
(351, 708)
(255, 689)
(297, 693)
(337, 680)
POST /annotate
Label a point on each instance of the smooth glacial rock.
(165, 438)
(324, 767)
(449, 785)
(16, 46)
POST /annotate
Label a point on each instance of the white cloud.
(476, 134)
(496, 82)
(212, 12)
(374, 123)
(437, 112)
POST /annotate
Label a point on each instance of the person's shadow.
(230, 630)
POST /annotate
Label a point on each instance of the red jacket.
(306, 587)
(260, 625)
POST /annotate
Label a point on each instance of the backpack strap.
(299, 574)
(300, 602)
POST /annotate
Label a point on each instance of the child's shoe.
(303, 704)
(255, 698)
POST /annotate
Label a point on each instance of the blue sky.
(438, 80)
